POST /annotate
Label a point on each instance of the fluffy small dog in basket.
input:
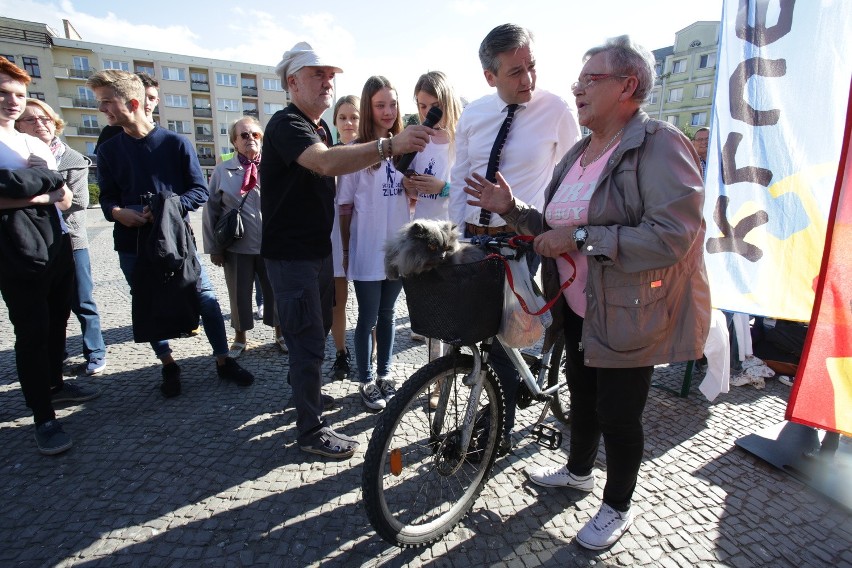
(422, 245)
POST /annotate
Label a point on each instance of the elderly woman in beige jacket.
(625, 203)
(233, 180)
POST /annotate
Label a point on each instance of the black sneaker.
(70, 392)
(51, 438)
(171, 380)
(341, 367)
(231, 371)
(328, 402)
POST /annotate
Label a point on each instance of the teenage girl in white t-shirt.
(373, 206)
(429, 185)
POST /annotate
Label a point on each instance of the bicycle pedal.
(547, 436)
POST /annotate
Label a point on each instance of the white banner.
(780, 106)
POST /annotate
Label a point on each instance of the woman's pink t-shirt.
(569, 207)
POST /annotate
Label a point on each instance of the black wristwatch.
(580, 236)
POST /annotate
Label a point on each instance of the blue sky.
(398, 40)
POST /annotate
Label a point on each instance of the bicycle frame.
(477, 376)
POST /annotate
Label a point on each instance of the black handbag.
(229, 227)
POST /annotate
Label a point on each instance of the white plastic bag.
(519, 328)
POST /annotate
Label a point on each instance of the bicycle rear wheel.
(561, 404)
(417, 481)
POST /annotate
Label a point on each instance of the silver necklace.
(602, 152)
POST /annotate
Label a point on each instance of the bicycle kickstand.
(544, 435)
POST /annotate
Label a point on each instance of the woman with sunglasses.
(626, 204)
(236, 181)
(40, 120)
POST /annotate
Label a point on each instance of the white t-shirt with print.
(380, 208)
(435, 160)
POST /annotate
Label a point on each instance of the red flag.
(822, 391)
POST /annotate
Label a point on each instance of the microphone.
(433, 117)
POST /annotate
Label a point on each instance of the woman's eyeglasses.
(33, 119)
(588, 80)
(247, 135)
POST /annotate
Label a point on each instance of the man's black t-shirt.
(297, 204)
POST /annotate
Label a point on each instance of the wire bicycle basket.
(460, 304)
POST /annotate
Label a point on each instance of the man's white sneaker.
(372, 396)
(605, 528)
(561, 477)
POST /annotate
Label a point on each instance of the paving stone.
(214, 477)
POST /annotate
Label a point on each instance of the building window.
(146, 69)
(90, 148)
(698, 119)
(272, 108)
(85, 93)
(248, 82)
(179, 126)
(654, 97)
(31, 66)
(11, 58)
(226, 150)
(198, 77)
(658, 69)
(203, 130)
(679, 66)
(80, 62)
(226, 79)
(228, 104)
(272, 84)
(39, 96)
(89, 120)
(174, 73)
(702, 91)
(676, 95)
(672, 119)
(707, 60)
(179, 101)
(223, 129)
(204, 151)
(115, 64)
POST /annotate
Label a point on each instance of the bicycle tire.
(434, 486)
(561, 403)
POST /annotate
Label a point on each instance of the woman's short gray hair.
(232, 129)
(625, 57)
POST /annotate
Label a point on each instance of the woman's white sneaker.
(561, 477)
(605, 528)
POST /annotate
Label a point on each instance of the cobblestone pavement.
(213, 477)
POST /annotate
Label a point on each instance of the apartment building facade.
(199, 98)
(686, 74)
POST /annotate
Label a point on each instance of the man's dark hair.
(506, 37)
(147, 80)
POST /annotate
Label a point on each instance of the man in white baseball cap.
(297, 202)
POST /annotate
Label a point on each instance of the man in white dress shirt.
(541, 131)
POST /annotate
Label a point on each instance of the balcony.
(204, 137)
(249, 91)
(63, 72)
(203, 86)
(66, 100)
(250, 112)
(202, 112)
(78, 130)
(207, 160)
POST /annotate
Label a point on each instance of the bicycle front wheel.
(417, 481)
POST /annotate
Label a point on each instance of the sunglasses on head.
(247, 135)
